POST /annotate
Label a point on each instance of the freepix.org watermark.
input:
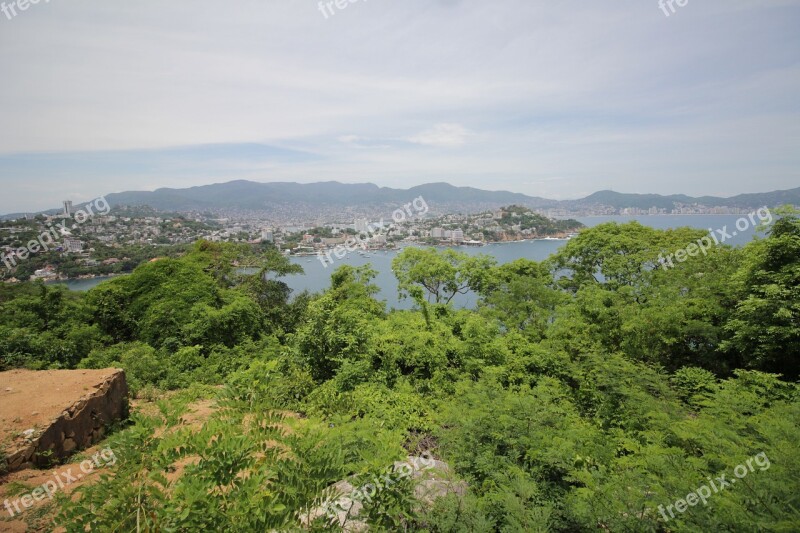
(104, 457)
(718, 484)
(716, 237)
(664, 4)
(392, 476)
(399, 216)
(49, 238)
(327, 6)
(10, 9)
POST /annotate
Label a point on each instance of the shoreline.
(86, 277)
(563, 237)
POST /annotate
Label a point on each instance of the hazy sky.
(549, 98)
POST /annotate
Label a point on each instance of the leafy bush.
(140, 361)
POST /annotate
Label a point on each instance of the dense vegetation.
(528, 220)
(581, 394)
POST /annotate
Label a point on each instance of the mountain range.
(442, 197)
(646, 201)
(258, 196)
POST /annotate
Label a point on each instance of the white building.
(458, 235)
(267, 236)
(361, 225)
(73, 246)
(44, 273)
(437, 233)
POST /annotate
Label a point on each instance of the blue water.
(317, 277)
(82, 284)
(705, 222)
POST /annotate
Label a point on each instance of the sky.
(548, 98)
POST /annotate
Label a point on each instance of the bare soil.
(33, 399)
(40, 516)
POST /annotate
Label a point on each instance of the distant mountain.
(646, 201)
(259, 196)
(642, 201)
(308, 198)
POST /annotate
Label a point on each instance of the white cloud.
(605, 96)
(443, 135)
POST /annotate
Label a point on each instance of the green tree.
(765, 327)
(441, 274)
(272, 295)
(338, 324)
(620, 256)
(521, 296)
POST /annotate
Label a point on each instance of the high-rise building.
(74, 246)
(67, 208)
(458, 235)
(362, 225)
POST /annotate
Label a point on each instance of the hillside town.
(107, 241)
(116, 241)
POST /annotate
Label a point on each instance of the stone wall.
(79, 426)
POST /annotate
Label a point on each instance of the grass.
(16, 488)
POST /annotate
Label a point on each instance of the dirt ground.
(39, 517)
(33, 399)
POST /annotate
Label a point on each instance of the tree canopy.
(596, 390)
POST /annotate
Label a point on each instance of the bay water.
(316, 277)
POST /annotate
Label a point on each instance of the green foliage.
(528, 220)
(582, 394)
(237, 320)
(621, 256)
(273, 383)
(694, 385)
(338, 323)
(246, 469)
(681, 315)
(521, 296)
(43, 326)
(394, 508)
(441, 274)
(140, 362)
(397, 408)
(766, 324)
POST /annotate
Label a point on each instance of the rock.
(432, 481)
(69, 445)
